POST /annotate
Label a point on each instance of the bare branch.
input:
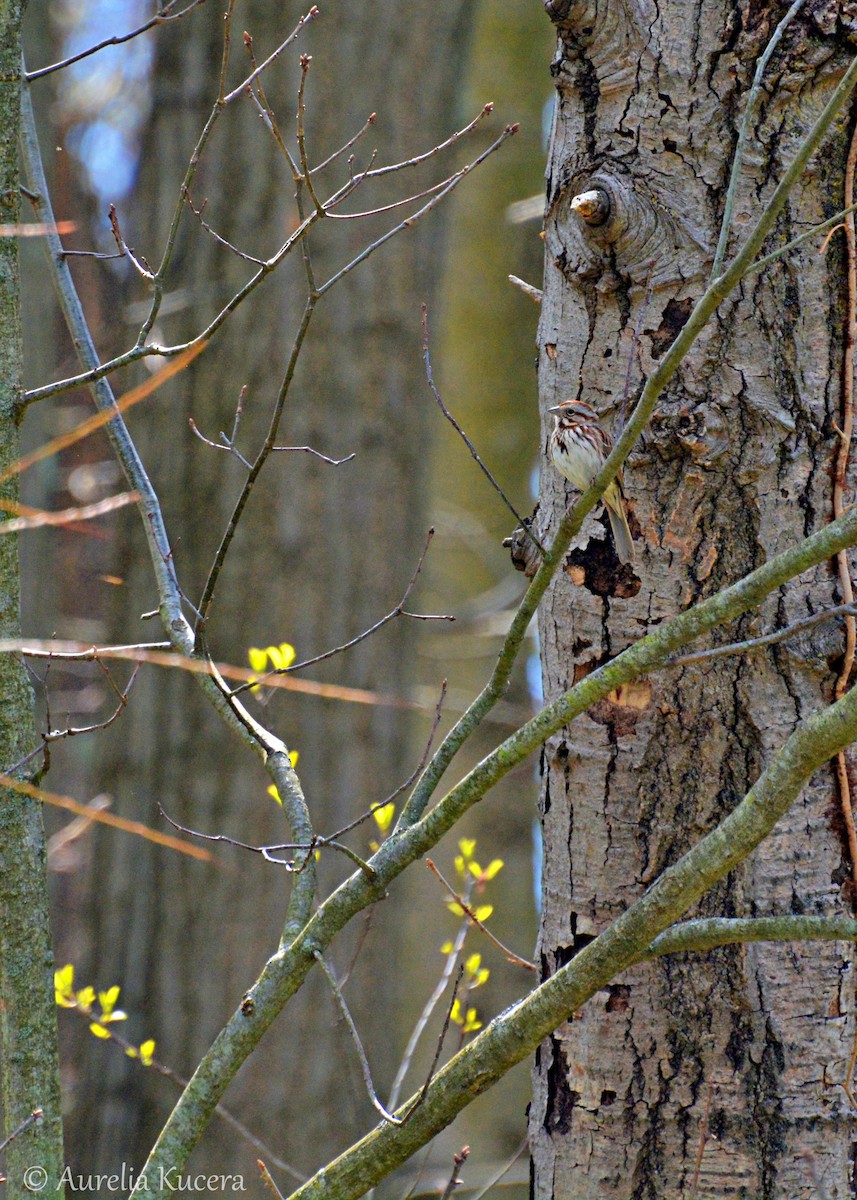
(410, 221)
(768, 639)
(485, 111)
(197, 212)
(163, 16)
(334, 462)
(454, 1182)
(352, 141)
(313, 12)
(37, 519)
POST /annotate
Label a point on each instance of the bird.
(578, 448)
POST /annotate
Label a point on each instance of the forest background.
(153, 923)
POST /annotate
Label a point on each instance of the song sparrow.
(578, 449)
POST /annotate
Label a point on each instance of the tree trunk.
(324, 552)
(28, 1026)
(720, 1074)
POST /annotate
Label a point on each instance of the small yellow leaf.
(108, 999)
(455, 908)
(471, 1022)
(86, 998)
(484, 911)
(493, 868)
(467, 846)
(258, 658)
(99, 1031)
(282, 656)
(473, 963)
(384, 816)
(475, 868)
(294, 755)
(447, 948)
(272, 791)
(131, 1052)
(147, 1052)
(63, 981)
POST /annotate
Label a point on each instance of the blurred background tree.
(325, 550)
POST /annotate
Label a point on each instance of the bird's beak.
(555, 409)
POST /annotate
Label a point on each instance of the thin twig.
(767, 639)
(398, 611)
(162, 18)
(226, 444)
(534, 293)
(410, 221)
(268, 1181)
(66, 517)
(355, 1036)
(197, 212)
(407, 783)
(306, 174)
(334, 462)
(484, 112)
(449, 967)
(352, 141)
(738, 157)
(495, 1179)
(271, 851)
(224, 57)
(510, 955)
(313, 12)
(35, 1118)
(125, 250)
(458, 1160)
(473, 451)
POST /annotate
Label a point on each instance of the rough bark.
(28, 1028)
(324, 552)
(716, 1074)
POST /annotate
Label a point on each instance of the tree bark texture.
(720, 1074)
(324, 551)
(28, 1026)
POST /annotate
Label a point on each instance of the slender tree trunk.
(324, 552)
(28, 1033)
(718, 1074)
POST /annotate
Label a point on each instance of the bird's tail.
(621, 532)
